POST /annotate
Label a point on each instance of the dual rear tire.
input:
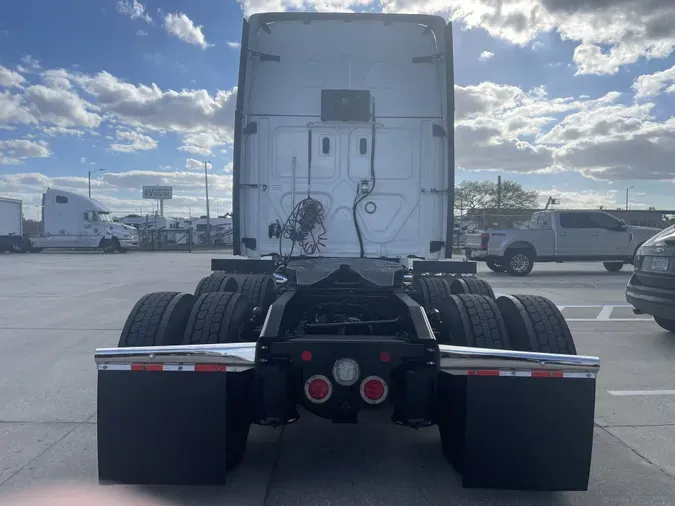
(171, 318)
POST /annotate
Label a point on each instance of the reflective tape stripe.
(524, 374)
(165, 367)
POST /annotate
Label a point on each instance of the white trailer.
(11, 224)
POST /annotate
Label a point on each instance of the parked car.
(559, 236)
(651, 288)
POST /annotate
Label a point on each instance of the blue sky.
(145, 90)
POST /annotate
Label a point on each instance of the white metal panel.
(411, 164)
(10, 216)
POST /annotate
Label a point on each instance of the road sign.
(158, 192)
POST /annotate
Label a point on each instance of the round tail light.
(318, 389)
(374, 390)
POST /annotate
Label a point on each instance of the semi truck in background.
(72, 221)
(11, 224)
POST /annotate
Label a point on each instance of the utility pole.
(208, 215)
(627, 189)
(499, 193)
(90, 173)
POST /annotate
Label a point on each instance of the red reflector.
(318, 389)
(385, 356)
(209, 368)
(373, 389)
(306, 356)
(546, 374)
(483, 373)
(146, 367)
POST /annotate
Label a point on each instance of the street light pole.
(90, 173)
(208, 214)
(627, 189)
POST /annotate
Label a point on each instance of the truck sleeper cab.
(71, 220)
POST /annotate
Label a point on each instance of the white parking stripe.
(626, 393)
(605, 313)
(609, 320)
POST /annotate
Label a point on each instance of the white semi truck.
(343, 169)
(11, 224)
(74, 221)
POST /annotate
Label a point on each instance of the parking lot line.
(627, 393)
(609, 319)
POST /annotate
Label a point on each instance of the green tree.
(472, 195)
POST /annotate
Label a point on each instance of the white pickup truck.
(559, 236)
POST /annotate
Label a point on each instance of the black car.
(651, 288)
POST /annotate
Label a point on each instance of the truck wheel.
(613, 266)
(474, 321)
(218, 318)
(519, 262)
(157, 319)
(668, 325)
(495, 266)
(108, 245)
(216, 282)
(536, 324)
(430, 292)
(259, 289)
(471, 285)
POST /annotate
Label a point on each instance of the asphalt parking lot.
(57, 308)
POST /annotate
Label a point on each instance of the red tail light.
(318, 389)
(374, 390)
(484, 239)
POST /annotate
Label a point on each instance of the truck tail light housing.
(484, 239)
(318, 389)
(374, 390)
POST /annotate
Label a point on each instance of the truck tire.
(613, 266)
(668, 325)
(471, 285)
(157, 319)
(536, 324)
(519, 262)
(430, 291)
(495, 266)
(474, 321)
(218, 318)
(216, 282)
(259, 289)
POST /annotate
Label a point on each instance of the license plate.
(660, 263)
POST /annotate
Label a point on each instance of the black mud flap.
(518, 433)
(162, 427)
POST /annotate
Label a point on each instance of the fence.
(186, 239)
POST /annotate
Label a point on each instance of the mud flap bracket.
(518, 433)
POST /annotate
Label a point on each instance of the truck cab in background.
(71, 220)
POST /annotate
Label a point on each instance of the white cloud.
(192, 164)
(83, 160)
(17, 150)
(651, 85)
(131, 142)
(28, 64)
(202, 143)
(234, 45)
(14, 110)
(151, 108)
(182, 27)
(141, 33)
(486, 55)
(55, 131)
(9, 78)
(61, 107)
(133, 9)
